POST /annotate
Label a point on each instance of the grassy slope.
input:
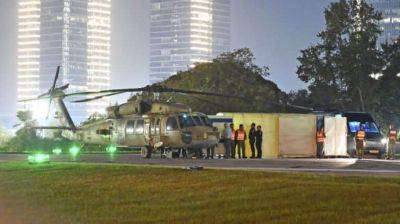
(110, 194)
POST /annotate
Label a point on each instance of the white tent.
(336, 136)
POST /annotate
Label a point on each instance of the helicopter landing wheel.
(146, 152)
(163, 153)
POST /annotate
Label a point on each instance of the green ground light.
(74, 150)
(57, 151)
(111, 149)
(39, 158)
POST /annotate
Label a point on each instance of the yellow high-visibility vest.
(240, 135)
(360, 135)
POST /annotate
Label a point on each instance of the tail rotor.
(54, 91)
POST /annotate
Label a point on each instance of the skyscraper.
(390, 24)
(183, 32)
(74, 34)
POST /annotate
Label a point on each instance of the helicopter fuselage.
(167, 131)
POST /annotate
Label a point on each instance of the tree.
(4, 137)
(25, 138)
(232, 73)
(387, 108)
(338, 69)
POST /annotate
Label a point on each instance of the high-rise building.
(185, 32)
(390, 24)
(74, 34)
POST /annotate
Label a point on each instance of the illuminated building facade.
(390, 24)
(72, 33)
(185, 32)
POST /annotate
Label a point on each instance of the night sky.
(275, 30)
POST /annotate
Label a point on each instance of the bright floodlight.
(39, 109)
(74, 150)
(39, 158)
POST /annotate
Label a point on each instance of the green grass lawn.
(81, 193)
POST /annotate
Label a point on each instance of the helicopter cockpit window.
(172, 124)
(130, 127)
(139, 127)
(206, 120)
(198, 121)
(186, 121)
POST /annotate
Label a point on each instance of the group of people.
(360, 142)
(359, 138)
(235, 141)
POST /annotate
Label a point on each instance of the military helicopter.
(142, 122)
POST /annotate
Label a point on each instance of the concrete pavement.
(341, 165)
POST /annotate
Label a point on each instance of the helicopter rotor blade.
(198, 93)
(204, 100)
(95, 98)
(33, 99)
(43, 95)
(51, 91)
(154, 88)
(55, 78)
(116, 91)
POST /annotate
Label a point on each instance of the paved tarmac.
(341, 166)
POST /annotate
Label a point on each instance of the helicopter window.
(139, 127)
(198, 121)
(206, 121)
(186, 121)
(130, 127)
(158, 125)
(172, 124)
(103, 132)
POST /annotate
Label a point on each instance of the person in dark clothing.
(252, 140)
(233, 141)
(258, 139)
(210, 153)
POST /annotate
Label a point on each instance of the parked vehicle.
(376, 142)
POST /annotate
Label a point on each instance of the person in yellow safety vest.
(233, 141)
(360, 142)
(240, 137)
(320, 142)
(392, 135)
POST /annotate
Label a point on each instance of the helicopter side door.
(135, 133)
(155, 130)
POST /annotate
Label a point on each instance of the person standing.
(210, 152)
(226, 137)
(259, 137)
(320, 142)
(240, 136)
(252, 140)
(233, 141)
(360, 141)
(392, 135)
